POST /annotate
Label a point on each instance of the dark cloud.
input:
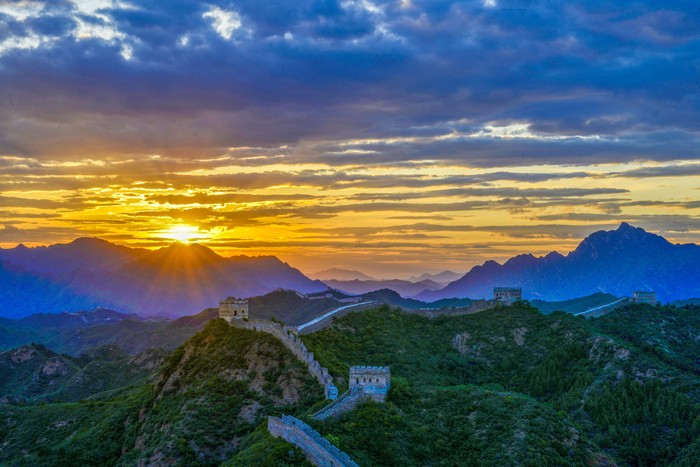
(158, 77)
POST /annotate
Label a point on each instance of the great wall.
(287, 335)
(318, 450)
(366, 382)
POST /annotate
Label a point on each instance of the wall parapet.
(318, 450)
(287, 335)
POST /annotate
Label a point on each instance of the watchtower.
(233, 308)
(507, 294)
(641, 296)
(374, 380)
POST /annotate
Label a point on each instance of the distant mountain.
(91, 254)
(444, 277)
(617, 262)
(23, 292)
(404, 288)
(575, 305)
(77, 333)
(171, 281)
(341, 275)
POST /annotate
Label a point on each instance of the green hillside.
(204, 402)
(33, 373)
(508, 386)
(635, 406)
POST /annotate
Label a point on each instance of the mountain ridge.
(171, 281)
(617, 262)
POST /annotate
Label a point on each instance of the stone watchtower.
(233, 308)
(374, 380)
(641, 296)
(507, 294)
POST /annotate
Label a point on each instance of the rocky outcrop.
(287, 335)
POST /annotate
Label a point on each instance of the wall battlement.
(319, 451)
(287, 335)
(373, 380)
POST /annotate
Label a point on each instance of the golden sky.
(390, 137)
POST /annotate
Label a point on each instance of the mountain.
(77, 333)
(83, 253)
(508, 386)
(341, 275)
(482, 389)
(403, 288)
(171, 281)
(444, 277)
(575, 305)
(33, 373)
(202, 406)
(23, 292)
(617, 262)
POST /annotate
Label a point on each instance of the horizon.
(348, 133)
(362, 269)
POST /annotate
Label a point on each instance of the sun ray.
(182, 233)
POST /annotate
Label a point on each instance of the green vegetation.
(626, 400)
(259, 449)
(204, 402)
(508, 386)
(33, 373)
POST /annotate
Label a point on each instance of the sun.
(182, 233)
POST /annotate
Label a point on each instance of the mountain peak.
(624, 226)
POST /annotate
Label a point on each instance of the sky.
(393, 137)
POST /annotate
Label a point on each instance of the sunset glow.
(182, 233)
(377, 145)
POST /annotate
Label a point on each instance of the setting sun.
(182, 233)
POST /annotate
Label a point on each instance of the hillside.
(575, 305)
(204, 404)
(508, 386)
(669, 333)
(616, 262)
(619, 398)
(170, 281)
(34, 373)
(288, 307)
(76, 333)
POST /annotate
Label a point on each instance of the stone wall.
(319, 451)
(287, 335)
(345, 403)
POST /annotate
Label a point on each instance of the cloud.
(140, 77)
(267, 118)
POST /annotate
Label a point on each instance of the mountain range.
(404, 288)
(181, 279)
(170, 281)
(616, 262)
